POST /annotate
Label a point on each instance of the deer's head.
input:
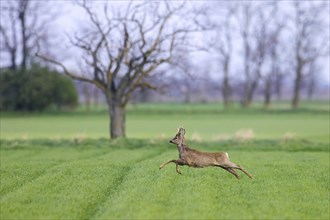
(179, 137)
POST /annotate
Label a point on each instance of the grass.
(97, 179)
(62, 165)
(204, 122)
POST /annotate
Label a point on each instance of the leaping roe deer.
(194, 158)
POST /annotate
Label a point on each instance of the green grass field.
(62, 166)
(203, 121)
(100, 180)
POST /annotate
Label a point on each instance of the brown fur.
(194, 158)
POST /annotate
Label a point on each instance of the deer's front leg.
(177, 162)
(171, 161)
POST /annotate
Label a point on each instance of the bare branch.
(70, 74)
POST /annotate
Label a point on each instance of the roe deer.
(194, 158)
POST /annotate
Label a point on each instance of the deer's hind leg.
(230, 170)
(235, 166)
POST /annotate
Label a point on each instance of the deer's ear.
(182, 131)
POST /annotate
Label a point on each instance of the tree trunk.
(22, 13)
(247, 100)
(311, 81)
(268, 93)
(117, 118)
(311, 89)
(13, 59)
(226, 90)
(297, 86)
(249, 90)
(278, 86)
(244, 101)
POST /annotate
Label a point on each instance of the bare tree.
(222, 44)
(307, 29)
(123, 48)
(253, 23)
(279, 78)
(22, 12)
(9, 42)
(311, 79)
(273, 70)
(245, 27)
(23, 25)
(188, 75)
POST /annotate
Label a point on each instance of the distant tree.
(35, 89)
(311, 79)
(185, 81)
(23, 25)
(64, 93)
(223, 46)
(252, 25)
(260, 26)
(272, 72)
(218, 42)
(244, 21)
(309, 40)
(121, 48)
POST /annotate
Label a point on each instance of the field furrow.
(116, 182)
(88, 176)
(75, 187)
(18, 175)
(137, 182)
(29, 167)
(212, 193)
(108, 193)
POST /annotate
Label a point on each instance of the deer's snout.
(173, 141)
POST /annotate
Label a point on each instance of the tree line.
(275, 41)
(26, 84)
(124, 48)
(36, 88)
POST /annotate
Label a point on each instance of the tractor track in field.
(46, 171)
(94, 208)
(111, 190)
(25, 155)
(23, 183)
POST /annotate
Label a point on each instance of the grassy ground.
(203, 122)
(44, 176)
(95, 179)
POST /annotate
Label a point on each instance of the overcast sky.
(72, 17)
